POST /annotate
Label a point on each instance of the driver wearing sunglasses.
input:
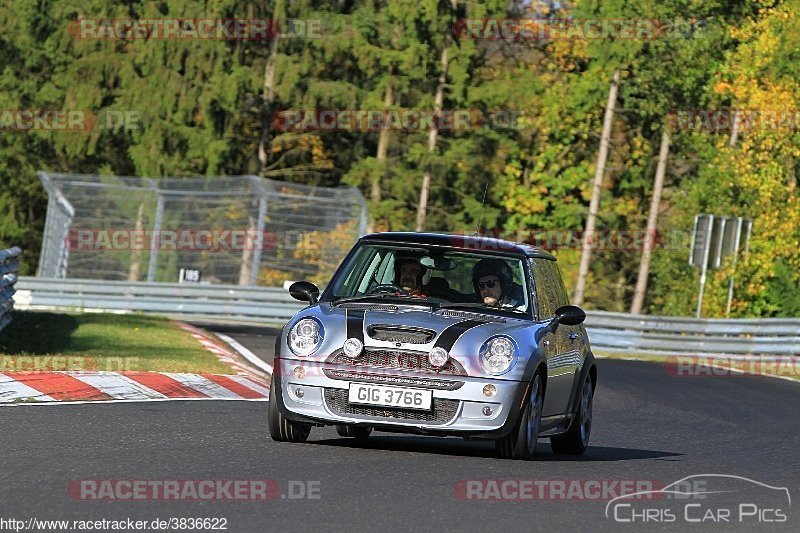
(492, 280)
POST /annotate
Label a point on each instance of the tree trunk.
(652, 220)
(269, 89)
(380, 156)
(432, 134)
(383, 147)
(526, 182)
(594, 204)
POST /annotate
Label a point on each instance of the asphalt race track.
(648, 425)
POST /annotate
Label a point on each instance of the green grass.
(784, 368)
(101, 341)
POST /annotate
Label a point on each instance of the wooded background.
(206, 107)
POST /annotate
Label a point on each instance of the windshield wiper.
(483, 307)
(383, 297)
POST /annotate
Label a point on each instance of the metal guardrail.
(608, 332)
(9, 266)
(229, 302)
(661, 335)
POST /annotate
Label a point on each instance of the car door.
(560, 347)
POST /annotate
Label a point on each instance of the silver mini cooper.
(438, 335)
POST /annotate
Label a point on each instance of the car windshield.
(431, 276)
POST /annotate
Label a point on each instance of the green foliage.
(202, 109)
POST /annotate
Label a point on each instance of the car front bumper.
(318, 395)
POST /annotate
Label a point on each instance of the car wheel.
(521, 442)
(356, 432)
(576, 439)
(280, 428)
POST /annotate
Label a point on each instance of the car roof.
(473, 243)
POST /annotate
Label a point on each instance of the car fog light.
(438, 357)
(489, 390)
(299, 393)
(353, 347)
(299, 372)
(487, 411)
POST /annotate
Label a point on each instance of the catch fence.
(242, 230)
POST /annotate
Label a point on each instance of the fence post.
(155, 239)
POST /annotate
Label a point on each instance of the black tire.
(521, 442)
(576, 439)
(356, 432)
(280, 428)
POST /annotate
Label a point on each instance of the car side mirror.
(569, 315)
(304, 290)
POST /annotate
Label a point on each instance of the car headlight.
(353, 347)
(438, 357)
(497, 355)
(306, 336)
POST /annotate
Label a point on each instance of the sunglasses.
(490, 284)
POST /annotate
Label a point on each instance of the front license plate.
(390, 396)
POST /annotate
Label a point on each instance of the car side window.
(547, 288)
(367, 275)
(562, 298)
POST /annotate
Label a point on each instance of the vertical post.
(136, 253)
(738, 237)
(155, 239)
(655, 203)
(63, 249)
(732, 142)
(594, 204)
(49, 224)
(259, 240)
(363, 220)
(704, 266)
(63, 252)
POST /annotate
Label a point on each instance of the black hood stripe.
(355, 324)
(450, 335)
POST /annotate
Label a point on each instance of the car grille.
(397, 360)
(474, 316)
(395, 379)
(370, 307)
(443, 410)
(405, 335)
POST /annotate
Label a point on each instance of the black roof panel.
(474, 243)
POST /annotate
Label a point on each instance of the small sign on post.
(188, 275)
(714, 238)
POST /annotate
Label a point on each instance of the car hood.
(461, 333)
